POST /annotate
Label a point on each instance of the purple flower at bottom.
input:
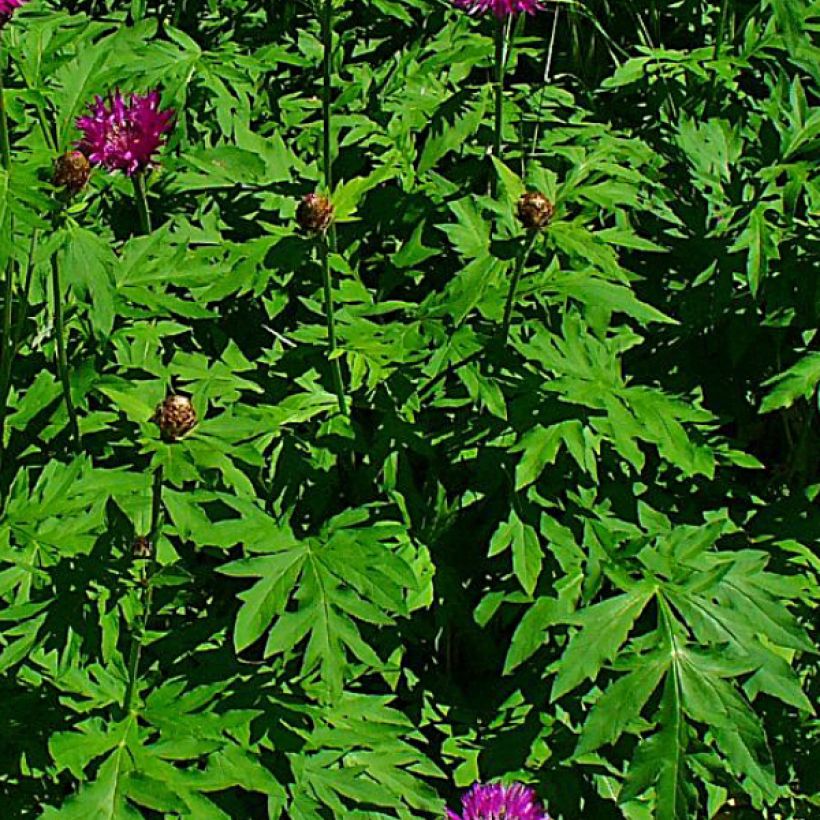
(124, 136)
(496, 802)
(7, 9)
(500, 8)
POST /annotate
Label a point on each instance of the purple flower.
(7, 9)
(500, 8)
(123, 136)
(496, 802)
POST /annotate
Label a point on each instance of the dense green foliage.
(580, 556)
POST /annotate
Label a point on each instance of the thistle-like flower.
(71, 172)
(175, 416)
(496, 802)
(124, 136)
(535, 211)
(314, 214)
(7, 9)
(500, 8)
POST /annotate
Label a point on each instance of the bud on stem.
(535, 211)
(175, 416)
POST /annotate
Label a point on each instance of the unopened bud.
(314, 214)
(535, 211)
(71, 171)
(175, 417)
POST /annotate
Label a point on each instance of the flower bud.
(534, 211)
(71, 172)
(141, 548)
(175, 417)
(314, 214)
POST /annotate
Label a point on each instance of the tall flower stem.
(62, 361)
(5, 144)
(511, 293)
(718, 47)
(148, 594)
(19, 325)
(326, 21)
(544, 83)
(141, 198)
(6, 354)
(6, 345)
(327, 241)
(336, 369)
(500, 70)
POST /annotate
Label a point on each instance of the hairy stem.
(141, 197)
(330, 316)
(519, 270)
(139, 632)
(62, 360)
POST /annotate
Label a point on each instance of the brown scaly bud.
(141, 548)
(71, 172)
(175, 417)
(535, 211)
(314, 214)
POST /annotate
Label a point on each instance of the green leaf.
(799, 381)
(86, 267)
(103, 798)
(267, 598)
(590, 647)
(621, 704)
(660, 760)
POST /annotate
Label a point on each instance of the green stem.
(139, 632)
(424, 390)
(141, 197)
(519, 270)
(545, 81)
(500, 66)
(335, 366)
(719, 37)
(9, 347)
(62, 360)
(721, 31)
(5, 144)
(5, 339)
(179, 9)
(6, 354)
(24, 298)
(327, 66)
(327, 243)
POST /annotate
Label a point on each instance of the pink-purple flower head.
(7, 9)
(500, 8)
(496, 802)
(124, 135)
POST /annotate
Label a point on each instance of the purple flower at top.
(500, 8)
(496, 802)
(124, 136)
(7, 9)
